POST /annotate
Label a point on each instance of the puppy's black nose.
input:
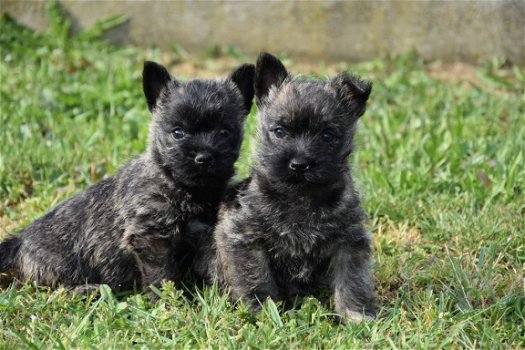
(299, 164)
(203, 158)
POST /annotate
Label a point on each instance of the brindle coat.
(295, 227)
(130, 228)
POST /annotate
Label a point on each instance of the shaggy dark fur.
(130, 228)
(295, 227)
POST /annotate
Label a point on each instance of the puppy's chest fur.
(299, 241)
(184, 205)
(157, 202)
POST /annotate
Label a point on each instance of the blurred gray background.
(450, 31)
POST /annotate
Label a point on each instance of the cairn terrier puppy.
(129, 229)
(295, 227)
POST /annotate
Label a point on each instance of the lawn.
(440, 165)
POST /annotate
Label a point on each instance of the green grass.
(440, 165)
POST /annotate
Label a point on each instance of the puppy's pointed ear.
(269, 72)
(242, 77)
(154, 78)
(353, 91)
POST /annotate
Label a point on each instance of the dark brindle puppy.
(295, 227)
(129, 228)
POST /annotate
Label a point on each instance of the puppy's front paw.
(153, 294)
(353, 316)
(85, 289)
(357, 317)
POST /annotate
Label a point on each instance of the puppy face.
(196, 131)
(306, 126)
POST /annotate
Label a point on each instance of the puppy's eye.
(327, 136)
(178, 133)
(279, 133)
(224, 132)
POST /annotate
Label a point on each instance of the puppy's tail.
(9, 253)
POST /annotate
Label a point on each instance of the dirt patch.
(470, 76)
(210, 68)
(454, 73)
(197, 66)
(400, 234)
